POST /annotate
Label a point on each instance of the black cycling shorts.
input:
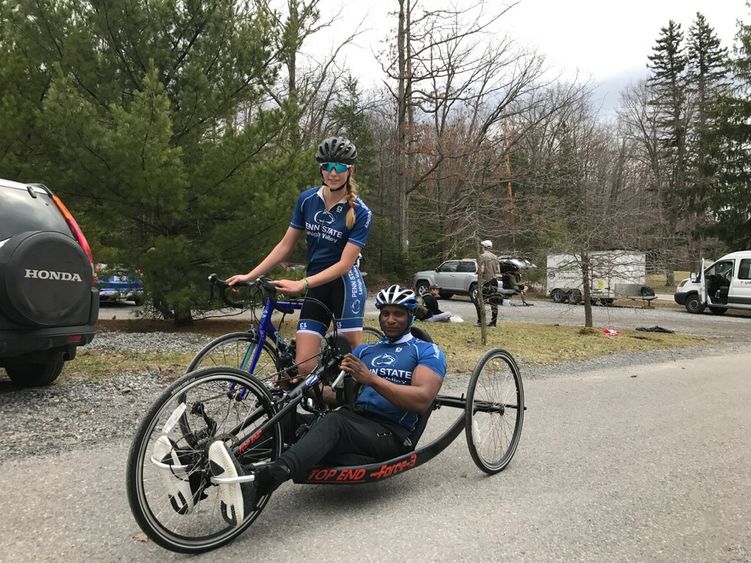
(342, 298)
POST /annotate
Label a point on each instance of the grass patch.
(657, 281)
(546, 344)
(96, 365)
(529, 343)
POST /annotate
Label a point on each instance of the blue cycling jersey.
(326, 229)
(395, 362)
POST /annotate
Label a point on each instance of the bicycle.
(172, 440)
(242, 350)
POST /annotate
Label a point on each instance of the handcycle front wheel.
(168, 475)
(494, 411)
(236, 350)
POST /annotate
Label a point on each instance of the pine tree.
(707, 80)
(730, 200)
(133, 112)
(667, 91)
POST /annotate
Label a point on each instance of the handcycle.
(173, 494)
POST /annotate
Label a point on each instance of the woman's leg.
(353, 337)
(307, 347)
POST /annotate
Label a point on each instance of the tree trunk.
(586, 289)
(402, 102)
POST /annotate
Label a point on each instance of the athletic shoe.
(237, 499)
(491, 324)
(477, 324)
(176, 479)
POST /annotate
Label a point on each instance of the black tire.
(473, 293)
(718, 310)
(693, 304)
(203, 396)
(28, 374)
(138, 300)
(494, 411)
(371, 335)
(606, 301)
(422, 287)
(236, 350)
(575, 297)
(558, 295)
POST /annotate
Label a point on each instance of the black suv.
(49, 302)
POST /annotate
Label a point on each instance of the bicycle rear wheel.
(236, 350)
(168, 476)
(495, 411)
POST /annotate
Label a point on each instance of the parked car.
(460, 276)
(453, 276)
(49, 302)
(117, 284)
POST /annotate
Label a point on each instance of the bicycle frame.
(266, 329)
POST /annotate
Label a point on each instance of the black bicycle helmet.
(336, 149)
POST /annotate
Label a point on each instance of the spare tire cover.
(45, 279)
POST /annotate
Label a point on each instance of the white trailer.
(613, 274)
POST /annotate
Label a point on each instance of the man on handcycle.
(400, 378)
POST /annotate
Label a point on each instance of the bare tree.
(309, 87)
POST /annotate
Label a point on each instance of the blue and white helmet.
(396, 295)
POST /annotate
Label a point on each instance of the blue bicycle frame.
(266, 329)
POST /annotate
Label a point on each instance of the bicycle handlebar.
(267, 288)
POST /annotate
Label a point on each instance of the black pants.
(490, 295)
(345, 432)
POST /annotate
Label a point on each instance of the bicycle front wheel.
(236, 349)
(168, 476)
(494, 411)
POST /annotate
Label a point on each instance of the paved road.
(647, 463)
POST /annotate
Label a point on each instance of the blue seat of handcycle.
(353, 459)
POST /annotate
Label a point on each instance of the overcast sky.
(604, 40)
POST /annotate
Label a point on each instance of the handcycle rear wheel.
(494, 411)
(168, 474)
(236, 350)
(371, 335)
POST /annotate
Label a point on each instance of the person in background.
(435, 315)
(512, 279)
(487, 272)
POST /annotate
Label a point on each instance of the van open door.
(702, 284)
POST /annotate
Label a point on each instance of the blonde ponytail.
(351, 199)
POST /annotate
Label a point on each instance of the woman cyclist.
(336, 224)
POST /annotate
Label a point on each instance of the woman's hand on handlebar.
(290, 287)
(232, 280)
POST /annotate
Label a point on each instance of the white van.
(721, 285)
